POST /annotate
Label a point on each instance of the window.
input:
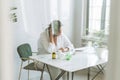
(96, 21)
(97, 16)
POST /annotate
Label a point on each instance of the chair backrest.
(24, 51)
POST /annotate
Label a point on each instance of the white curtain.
(37, 14)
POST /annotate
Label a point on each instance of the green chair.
(24, 51)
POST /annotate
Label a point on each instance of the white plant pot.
(101, 52)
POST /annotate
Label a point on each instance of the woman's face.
(60, 31)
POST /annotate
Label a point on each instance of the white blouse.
(44, 46)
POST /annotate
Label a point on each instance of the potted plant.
(100, 39)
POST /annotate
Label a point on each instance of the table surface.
(79, 60)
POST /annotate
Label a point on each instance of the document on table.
(80, 48)
(85, 49)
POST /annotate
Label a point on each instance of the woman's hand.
(64, 49)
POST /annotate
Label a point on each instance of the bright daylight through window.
(97, 19)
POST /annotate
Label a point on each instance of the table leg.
(89, 73)
(101, 70)
(60, 75)
(72, 75)
(67, 75)
(100, 67)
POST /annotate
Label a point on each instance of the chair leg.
(72, 75)
(28, 71)
(89, 73)
(42, 72)
(20, 70)
(28, 75)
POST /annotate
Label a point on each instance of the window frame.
(87, 14)
(86, 36)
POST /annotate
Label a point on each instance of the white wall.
(113, 68)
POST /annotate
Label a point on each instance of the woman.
(52, 40)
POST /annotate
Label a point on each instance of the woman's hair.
(59, 24)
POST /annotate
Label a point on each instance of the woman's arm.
(67, 44)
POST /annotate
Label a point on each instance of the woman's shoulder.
(63, 36)
(43, 32)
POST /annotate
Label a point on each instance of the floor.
(80, 75)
